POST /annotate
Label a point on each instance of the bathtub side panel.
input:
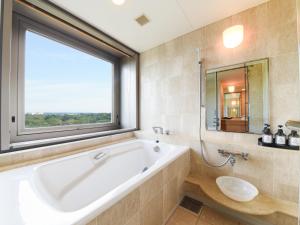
(152, 202)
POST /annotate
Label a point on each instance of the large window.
(61, 86)
(65, 86)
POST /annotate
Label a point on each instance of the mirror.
(237, 97)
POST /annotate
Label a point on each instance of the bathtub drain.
(144, 169)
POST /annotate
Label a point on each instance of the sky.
(59, 78)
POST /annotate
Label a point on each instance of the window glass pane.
(65, 86)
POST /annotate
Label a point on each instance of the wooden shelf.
(262, 205)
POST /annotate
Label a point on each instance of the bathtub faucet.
(161, 130)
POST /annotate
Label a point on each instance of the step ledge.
(262, 205)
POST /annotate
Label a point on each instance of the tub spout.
(155, 129)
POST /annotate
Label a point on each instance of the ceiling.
(168, 18)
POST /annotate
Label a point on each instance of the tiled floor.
(207, 216)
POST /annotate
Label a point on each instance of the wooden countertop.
(260, 206)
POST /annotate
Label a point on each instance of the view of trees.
(61, 119)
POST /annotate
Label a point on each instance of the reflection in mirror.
(232, 97)
(232, 105)
(237, 98)
(211, 101)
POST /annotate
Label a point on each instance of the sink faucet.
(155, 129)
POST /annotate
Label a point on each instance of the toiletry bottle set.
(280, 138)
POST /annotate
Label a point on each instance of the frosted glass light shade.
(118, 2)
(233, 36)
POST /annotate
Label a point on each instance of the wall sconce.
(118, 2)
(233, 36)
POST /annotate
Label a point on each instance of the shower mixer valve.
(232, 156)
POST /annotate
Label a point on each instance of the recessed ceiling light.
(118, 2)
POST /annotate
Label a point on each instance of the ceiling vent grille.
(142, 20)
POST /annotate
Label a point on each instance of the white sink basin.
(236, 188)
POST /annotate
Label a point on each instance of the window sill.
(62, 140)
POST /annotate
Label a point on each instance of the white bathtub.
(75, 189)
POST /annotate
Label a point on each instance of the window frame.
(19, 132)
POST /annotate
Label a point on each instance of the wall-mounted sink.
(236, 188)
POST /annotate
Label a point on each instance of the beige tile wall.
(169, 87)
(170, 73)
(153, 201)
